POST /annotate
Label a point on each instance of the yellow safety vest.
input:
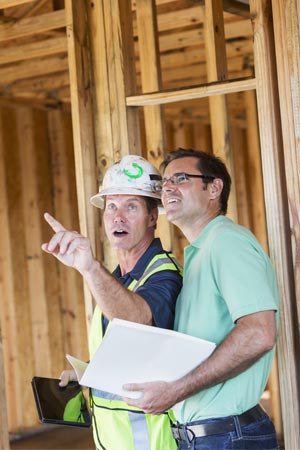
(117, 426)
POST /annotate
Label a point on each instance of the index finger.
(54, 224)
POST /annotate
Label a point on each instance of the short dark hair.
(151, 203)
(208, 165)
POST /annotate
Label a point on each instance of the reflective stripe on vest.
(115, 424)
(158, 263)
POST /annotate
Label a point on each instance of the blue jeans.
(258, 435)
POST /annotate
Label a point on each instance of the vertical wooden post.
(4, 441)
(151, 81)
(83, 127)
(5, 291)
(70, 281)
(117, 129)
(256, 193)
(239, 149)
(287, 39)
(286, 18)
(12, 293)
(216, 64)
(150, 77)
(33, 239)
(277, 215)
(259, 228)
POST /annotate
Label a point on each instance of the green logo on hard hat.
(138, 171)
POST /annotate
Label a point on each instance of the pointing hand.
(69, 247)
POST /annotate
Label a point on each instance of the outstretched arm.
(253, 336)
(74, 250)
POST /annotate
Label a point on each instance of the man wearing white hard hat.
(143, 288)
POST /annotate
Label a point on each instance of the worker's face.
(185, 204)
(127, 222)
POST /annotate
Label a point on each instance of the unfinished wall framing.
(144, 77)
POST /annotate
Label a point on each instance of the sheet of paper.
(78, 365)
(135, 353)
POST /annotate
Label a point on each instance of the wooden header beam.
(178, 95)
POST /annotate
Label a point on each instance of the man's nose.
(119, 217)
(168, 186)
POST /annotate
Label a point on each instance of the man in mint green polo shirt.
(229, 296)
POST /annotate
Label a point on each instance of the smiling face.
(190, 205)
(128, 224)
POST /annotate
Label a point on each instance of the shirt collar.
(154, 248)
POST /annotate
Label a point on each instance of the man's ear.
(153, 216)
(216, 188)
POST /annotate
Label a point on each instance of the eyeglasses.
(180, 178)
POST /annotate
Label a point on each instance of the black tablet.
(60, 405)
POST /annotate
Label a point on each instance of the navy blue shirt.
(160, 290)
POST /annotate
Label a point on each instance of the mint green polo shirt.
(227, 275)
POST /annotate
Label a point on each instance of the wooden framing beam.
(150, 77)
(4, 441)
(287, 38)
(83, 126)
(287, 44)
(6, 294)
(33, 25)
(151, 80)
(10, 3)
(33, 68)
(41, 84)
(277, 214)
(37, 49)
(164, 97)
(216, 66)
(117, 129)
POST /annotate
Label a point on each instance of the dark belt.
(183, 432)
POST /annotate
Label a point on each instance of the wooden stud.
(216, 64)
(277, 215)
(239, 149)
(83, 126)
(287, 39)
(116, 126)
(16, 327)
(10, 388)
(74, 332)
(4, 441)
(33, 339)
(254, 172)
(151, 81)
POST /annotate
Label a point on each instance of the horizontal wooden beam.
(37, 49)
(160, 98)
(177, 19)
(182, 39)
(32, 25)
(50, 82)
(195, 55)
(33, 68)
(10, 3)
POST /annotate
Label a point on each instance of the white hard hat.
(132, 175)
